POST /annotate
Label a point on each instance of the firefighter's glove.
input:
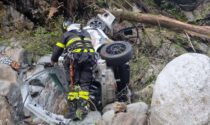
(46, 65)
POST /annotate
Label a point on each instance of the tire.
(116, 53)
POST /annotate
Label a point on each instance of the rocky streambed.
(180, 96)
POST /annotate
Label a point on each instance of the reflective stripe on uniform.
(76, 39)
(61, 45)
(72, 95)
(73, 40)
(85, 50)
(84, 95)
(78, 95)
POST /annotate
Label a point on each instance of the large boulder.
(181, 93)
(16, 53)
(91, 119)
(9, 84)
(8, 77)
(135, 115)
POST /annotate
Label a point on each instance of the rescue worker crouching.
(78, 64)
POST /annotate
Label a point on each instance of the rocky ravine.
(151, 53)
(181, 96)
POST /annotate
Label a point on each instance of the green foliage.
(41, 40)
(4, 41)
(139, 65)
(101, 3)
(150, 3)
(150, 80)
(146, 94)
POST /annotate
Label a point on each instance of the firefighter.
(79, 61)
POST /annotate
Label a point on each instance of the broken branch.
(163, 21)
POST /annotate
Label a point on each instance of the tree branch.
(200, 31)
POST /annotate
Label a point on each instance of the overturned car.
(41, 87)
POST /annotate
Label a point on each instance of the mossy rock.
(177, 49)
(202, 11)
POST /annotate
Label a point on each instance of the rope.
(93, 104)
(122, 92)
(71, 74)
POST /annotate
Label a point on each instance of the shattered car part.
(74, 26)
(107, 80)
(96, 23)
(30, 87)
(108, 18)
(33, 88)
(98, 38)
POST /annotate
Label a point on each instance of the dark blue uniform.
(79, 52)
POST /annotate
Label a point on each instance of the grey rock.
(5, 113)
(13, 20)
(152, 73)
(189, 15)
(9, 84)
(181, 93)
(108, 108)
(169, 50)
(203, 47)
(135, 115)
(15, 53)
(8, 78)
(202, 11)
(91, 119)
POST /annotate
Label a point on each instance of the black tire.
(116, 53)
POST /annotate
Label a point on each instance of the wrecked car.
(51, 80)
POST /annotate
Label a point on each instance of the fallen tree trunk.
(159, 20)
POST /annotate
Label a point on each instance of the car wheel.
(116, 53)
